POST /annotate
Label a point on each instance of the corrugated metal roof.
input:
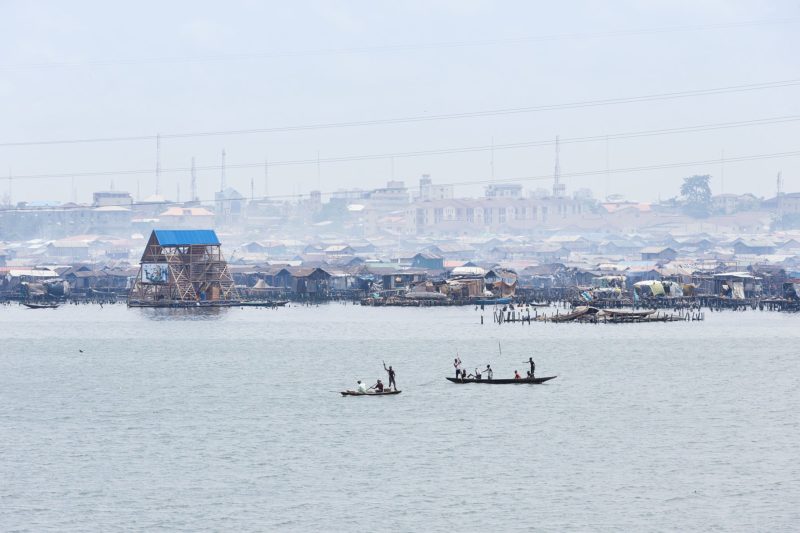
(183, 237)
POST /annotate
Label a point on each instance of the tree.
(696, 193)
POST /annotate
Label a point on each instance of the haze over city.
(376, 86)
(436, 266)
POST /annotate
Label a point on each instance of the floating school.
(182, 268)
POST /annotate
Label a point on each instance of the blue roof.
(182, 237)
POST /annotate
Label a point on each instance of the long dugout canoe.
(534, 381)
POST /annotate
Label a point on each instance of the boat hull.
(534, 381)
(492, 301)
(40, 306)
(356, 393)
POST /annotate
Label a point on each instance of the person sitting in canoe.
(528, 375)
(533, 365)
(489, 372)
(457, 365)
(362, 387)
(477, 374)
(378, 386)
(516, 375)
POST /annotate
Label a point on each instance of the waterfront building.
(180, 267)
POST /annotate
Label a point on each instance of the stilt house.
(181, 267)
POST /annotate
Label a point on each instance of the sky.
(389, 80)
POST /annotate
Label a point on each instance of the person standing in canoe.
(533, 365)
(390, 370)
(489, 372)
(457, 365)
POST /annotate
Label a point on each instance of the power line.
(434, 152)
(393, 48)
(483, 181)
(428, 118)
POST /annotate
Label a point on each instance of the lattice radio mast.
(158, 163)
(193, 183)
(222, 175)
(558, 187)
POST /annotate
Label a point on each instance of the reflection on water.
(181, 313)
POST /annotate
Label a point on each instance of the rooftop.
(186, 237)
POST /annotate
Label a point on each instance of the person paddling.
(378, 386)
(533, 365)
(390, 370)
(457, 365)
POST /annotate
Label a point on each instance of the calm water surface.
(229, 420)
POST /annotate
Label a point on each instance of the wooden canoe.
(39, 306)
(534, 381)
(356, 393)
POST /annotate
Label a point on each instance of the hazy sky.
(77, 70)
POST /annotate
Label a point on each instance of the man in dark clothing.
(533, 365)
(390, 370)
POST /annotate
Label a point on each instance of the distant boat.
(262, 303)
(356, 393)
(32, 305)
(493, 301)
(532, 381)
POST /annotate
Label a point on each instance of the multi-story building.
(492, 214)
(504, 190)
(429, 191)
(115, 198)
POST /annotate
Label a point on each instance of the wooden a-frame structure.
(182, 267)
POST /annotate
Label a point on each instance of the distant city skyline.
(356, 95)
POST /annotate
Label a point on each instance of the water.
(229, 420)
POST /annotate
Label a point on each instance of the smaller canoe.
(492, 301)
(356, 393)
(39, 306)
(534, 381)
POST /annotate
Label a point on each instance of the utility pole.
(193, 183)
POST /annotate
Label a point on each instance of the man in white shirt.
(362, 387)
